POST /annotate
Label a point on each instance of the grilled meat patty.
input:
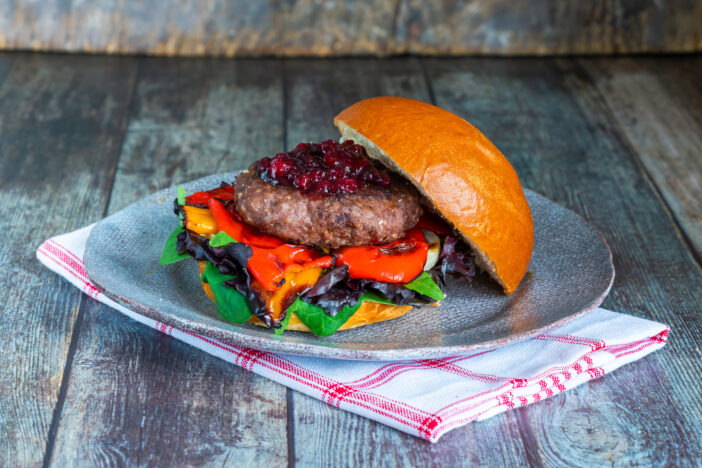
(370, 215)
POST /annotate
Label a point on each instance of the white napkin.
(425, 398)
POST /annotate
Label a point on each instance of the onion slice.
(434, 249)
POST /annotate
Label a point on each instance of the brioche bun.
(461, 173)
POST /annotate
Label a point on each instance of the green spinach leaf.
(284, 323)
(231, 305)
(221, 239)
(170, 252)
(181, 194)
(322, 324)
(426, 286)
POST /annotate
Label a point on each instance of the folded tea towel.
(428, 397)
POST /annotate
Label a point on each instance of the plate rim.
(271, 344)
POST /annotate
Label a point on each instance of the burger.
(339, 234)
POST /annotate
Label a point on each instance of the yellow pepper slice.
(200, 220)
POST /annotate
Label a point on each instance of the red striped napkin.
(425, 398)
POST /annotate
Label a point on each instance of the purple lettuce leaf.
(230, 259)
(456, 260)
(336, 290)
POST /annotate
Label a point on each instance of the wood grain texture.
(352, 27)
(546, 27)
(197, 27)
(328, 436)
(552, 124)
(656, 107)
(56, 114)
(317, 91)
(198, 117)
(136, 396)
(574, 131)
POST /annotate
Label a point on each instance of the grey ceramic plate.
(571, 271)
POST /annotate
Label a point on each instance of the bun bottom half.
(367, 314)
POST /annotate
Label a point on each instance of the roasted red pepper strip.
(253, 236)
(225, 221)
(235, 227)
(265, 267)
(203, 198)
(400, 261)
(434, 224)
(272, 259)
(289, 253)
(269, 266)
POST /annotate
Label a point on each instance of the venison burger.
(335, 235)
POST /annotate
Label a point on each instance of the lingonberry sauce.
(328, 167)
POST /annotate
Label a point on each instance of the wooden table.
(618, 140)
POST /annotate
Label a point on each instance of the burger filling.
(323, 168)
(254, 269)
(350, 201)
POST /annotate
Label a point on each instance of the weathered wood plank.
(553, 126)
(352, 27)
(196, 27)
(563, 136)
(139, 397)
(317, 91)
(5, 65)
(542, 27)
(56, 115)
(659, 114)
(328, 436)
(198, 117)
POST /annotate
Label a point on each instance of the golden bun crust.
(368, 313)
(464, 176)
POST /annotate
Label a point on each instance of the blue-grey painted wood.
(650, 112)
(5, 65)
(556, 129)
(352, 27)
(136, 396)
(56, 115)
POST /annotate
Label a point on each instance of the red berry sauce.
(325, 168)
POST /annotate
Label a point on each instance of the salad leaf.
(372, 297)
(230, 259)
(221, 239)
(335, 290)
(322, 324)
(334, 301)
(181, 195)
(426, 286)
(394, 292)
(327, 281)
(455, 259)
(170, 250)
(231, 305)
(283, 324)
(180, 200)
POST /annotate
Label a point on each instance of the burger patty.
(370, 215)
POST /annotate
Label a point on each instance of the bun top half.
(460, 172)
